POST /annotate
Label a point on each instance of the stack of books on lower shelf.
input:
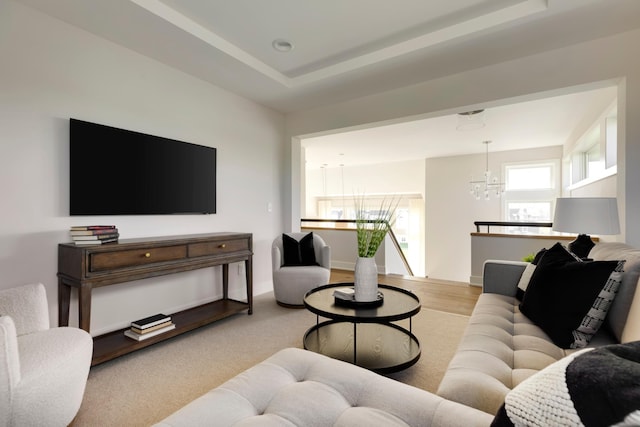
(150, 327)
(94, 234)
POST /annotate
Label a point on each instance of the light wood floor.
(452, 297)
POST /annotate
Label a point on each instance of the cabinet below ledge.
(88, 267)
(511, 247)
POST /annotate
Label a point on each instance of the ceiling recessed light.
(471, 120)
(282, 45)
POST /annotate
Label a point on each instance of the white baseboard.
(475, 280)
(341, 265)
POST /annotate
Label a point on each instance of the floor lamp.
(596, 215)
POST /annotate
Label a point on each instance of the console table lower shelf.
(115, 344)
(380, 347)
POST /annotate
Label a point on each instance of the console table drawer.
(218, 248)
(104, 261)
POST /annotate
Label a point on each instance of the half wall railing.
(352, 224)
(490, 224)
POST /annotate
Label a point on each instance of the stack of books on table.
(150, 327)
(94, 234)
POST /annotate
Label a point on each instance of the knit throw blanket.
(592, 387)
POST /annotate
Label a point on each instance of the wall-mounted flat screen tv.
(120, 172)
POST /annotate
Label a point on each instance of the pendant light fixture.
(489, 185)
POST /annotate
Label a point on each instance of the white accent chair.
(43, 370)
(291, 283)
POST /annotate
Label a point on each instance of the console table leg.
(225, 281)
(64, 301)
(84, 307)
(248, 271)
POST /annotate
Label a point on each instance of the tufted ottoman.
(296, 387)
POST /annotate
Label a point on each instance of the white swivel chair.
(43, 371)
(292, 282)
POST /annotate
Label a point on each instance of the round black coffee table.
(364, 335)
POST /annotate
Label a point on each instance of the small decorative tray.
(361, 304)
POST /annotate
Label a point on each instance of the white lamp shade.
(587, 215)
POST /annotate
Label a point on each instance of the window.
(594, 161)
(529, 177)
(529, 211)
(530, 191)
(595, 153)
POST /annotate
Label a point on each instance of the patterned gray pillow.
(598, 311)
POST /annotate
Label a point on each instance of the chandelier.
(489, 185)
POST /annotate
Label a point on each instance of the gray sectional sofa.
(499, 350)
(501, 347)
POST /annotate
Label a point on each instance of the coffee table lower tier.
(380, 347)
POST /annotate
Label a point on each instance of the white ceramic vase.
(366, 280)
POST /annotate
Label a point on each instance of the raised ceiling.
(342, 49)
(515, 126)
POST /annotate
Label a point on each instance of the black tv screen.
(120, 172)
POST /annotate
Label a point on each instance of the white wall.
(600, 62)
(451, 210)
(50, 72)
(605, 187)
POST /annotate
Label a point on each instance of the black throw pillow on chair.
(298, 253)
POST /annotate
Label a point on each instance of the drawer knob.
(223, 246)
(147, 255)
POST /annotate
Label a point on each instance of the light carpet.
(144, 387)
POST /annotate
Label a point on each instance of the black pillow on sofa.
(539, 256)
(561, 292)
(298, 253)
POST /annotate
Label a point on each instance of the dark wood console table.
(88, 267)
